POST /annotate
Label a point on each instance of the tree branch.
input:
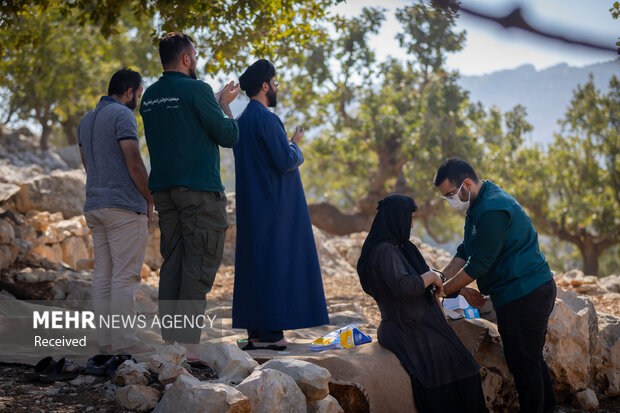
(516, 20)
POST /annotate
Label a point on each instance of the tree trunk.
(46, 131)
(590, 255)
(69, 127)
(329, 218)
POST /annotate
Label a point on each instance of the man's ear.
(129, 93)
(265, 87)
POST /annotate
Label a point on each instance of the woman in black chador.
(444, 375)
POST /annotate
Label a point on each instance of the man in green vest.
(500, 252)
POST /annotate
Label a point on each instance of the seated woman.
(444, 375)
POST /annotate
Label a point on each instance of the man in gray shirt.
(118, 207)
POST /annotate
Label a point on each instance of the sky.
(489, 47)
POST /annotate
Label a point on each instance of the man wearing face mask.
(500, 251)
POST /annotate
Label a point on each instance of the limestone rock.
(137, 397)
(41, 221)
(571, 343)
(8, 254)
(155, 363)
(51, 252)
(73, 250)
(338, 307)
(173, 353)
(586, 400)
(145, 272)
(7, 234)
(71, 156)
(273, 391)
(229, 362)
(8, 191)
(611, 283)
(60, 191)
(130, 373)
(608, 358)
(85, 264)
(168, 373)
(153, 257)
(313, 380)
(188, 394)
(326, 405)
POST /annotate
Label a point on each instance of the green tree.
(58, 74)
(229, 32)
(571, 190)
(382, 127)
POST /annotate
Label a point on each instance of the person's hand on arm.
(298, 135)
(431, 277)
(225, 96)
(137, 171)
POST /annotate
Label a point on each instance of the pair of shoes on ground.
(49, 370)
(106, 364)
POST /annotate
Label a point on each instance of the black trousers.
(522, 323)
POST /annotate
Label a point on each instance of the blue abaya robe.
(278, 284)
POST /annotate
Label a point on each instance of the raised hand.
(298, 135)
(228, 93)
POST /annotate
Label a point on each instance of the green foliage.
(228, 33)
(59, 72)
(383, 126)
(572, 189)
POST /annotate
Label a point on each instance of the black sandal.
(44, 366)
(64, 370)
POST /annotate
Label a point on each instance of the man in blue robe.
(278, 284)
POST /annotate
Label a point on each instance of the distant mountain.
(545, 93)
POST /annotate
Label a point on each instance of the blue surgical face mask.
(456, 203)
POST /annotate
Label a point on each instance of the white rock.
(173, 353)
(189, 395)
(608, 357)
(170, 372)
(155, 363)
(229, 361)
(137, 397)
(130, 373)
(273, 391)
(571, 343)
(313, 380)
(586, 400)
(327, 405)
(60, 191)
(611, 283)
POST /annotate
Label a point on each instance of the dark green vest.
(520, 267)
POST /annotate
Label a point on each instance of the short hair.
(455, 170)
(172, 46)
(123, 80)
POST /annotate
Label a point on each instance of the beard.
(272, 97)
(133, 103)
(192, 73)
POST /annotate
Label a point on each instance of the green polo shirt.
(501, 247)
(184, 127)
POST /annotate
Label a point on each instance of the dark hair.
(455, 170)
(172, 45)
(122, 80)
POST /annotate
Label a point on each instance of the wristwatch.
(443, 277)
